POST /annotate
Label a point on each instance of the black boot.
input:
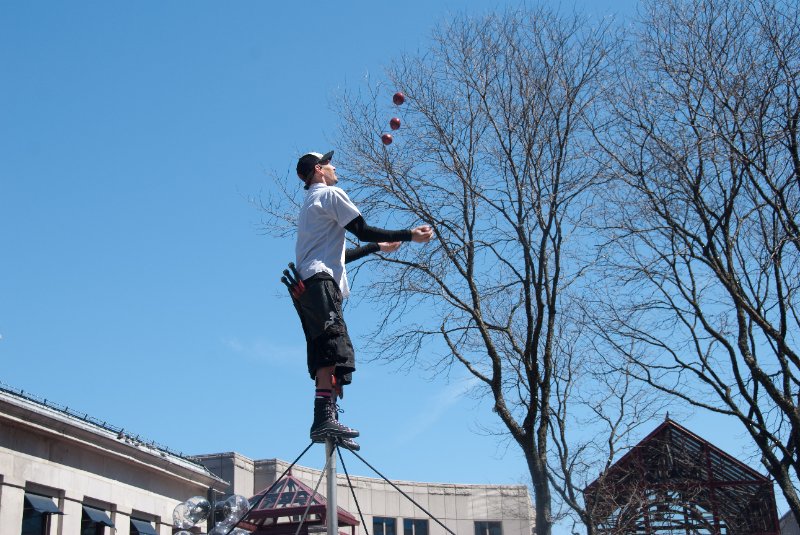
(348, 444)
(325, 424)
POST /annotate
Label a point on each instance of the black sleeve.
(364, 232)
(360, 252)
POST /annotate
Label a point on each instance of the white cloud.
(450, 395)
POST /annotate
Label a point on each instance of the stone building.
(789, 524)
(464, 509)
(65, 473)
(62, 473)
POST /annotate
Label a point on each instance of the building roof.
(30, 407)
(672, 465)
(279, 508)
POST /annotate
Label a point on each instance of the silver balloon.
(198, 509)
(239, 531)
(179, 519)
(184, 532)
(235, 507)
(222, 528)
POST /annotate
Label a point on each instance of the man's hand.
(422, 234)
(389, 246)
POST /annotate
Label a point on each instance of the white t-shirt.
(320, 233)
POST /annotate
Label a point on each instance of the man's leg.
(326, 423)
(325, 377)
(326, 380)
(328, 346)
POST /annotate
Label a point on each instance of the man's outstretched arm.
(360, 252)
(364, 232)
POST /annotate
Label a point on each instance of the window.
(94, 521)
(36, 514)
(488, 528)
(383, 526)
(415, 526)
(34, 522)
(142, 527)
(92, 528)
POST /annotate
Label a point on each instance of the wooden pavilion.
(281, 510)
(675, 482)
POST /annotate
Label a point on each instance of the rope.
(308, 505)
(352, 491)
(261, 495)
(349, 484)
(398, 489)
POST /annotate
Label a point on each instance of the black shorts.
(327, 341)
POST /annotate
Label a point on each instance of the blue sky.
(135, 281)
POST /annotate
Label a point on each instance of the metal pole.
(212, 501)
(333, 513)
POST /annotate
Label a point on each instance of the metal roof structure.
(675, 482)
(280, 511)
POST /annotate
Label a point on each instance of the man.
(322, 284)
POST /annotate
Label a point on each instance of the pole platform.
(333, 511)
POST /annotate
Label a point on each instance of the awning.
(142, 527)
(98, 516)
(42, 504)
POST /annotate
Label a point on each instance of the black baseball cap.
(307, 162)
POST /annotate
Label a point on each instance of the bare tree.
(495, 154)
(703, 263)
(599, 411)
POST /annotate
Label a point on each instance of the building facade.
(386, 507)
(63, 473)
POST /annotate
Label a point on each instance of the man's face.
(328, 172)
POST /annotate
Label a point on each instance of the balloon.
(239, 531)
(184, 532)
(179, 519)
(222, 528)
(235, 507)
(198, 509)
